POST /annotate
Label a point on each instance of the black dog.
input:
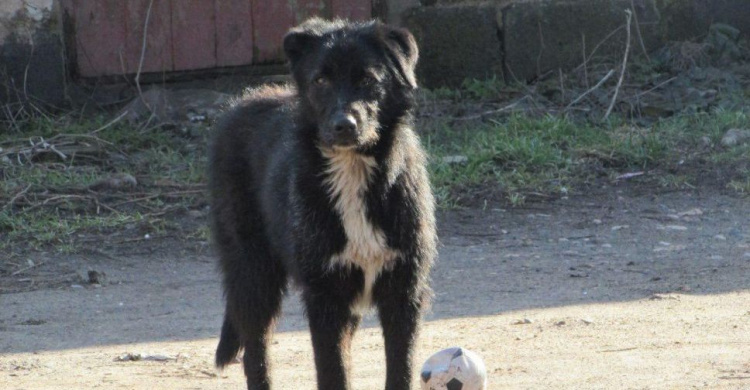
(326, 184)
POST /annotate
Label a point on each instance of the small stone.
(195, 214)
(96, 277)
(691, 213)
(734, 137)
(720, 237)
(523, 322)
(597, 221)
(619, 227)
(664, 243)
(455, 159)
(606, 245)
(559, 323)
(115, 182)
(659, 297)
(587, 321)
(677, 227)
(129, 357)
(76, 286)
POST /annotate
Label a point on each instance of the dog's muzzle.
(344, 129)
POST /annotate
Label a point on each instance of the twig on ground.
(492, 112)
(153, 196)
(541, 49)
(110, 123)
(624, 66)
(585, 68)
(657, 86)
(638, 31)
(562, 83)
(24, 269)
(596, 48)
(592, 89)
(143, 55)
(9, 205)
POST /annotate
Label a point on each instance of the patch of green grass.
(39, 229)
(675, 181)
(740, 186)
(486, 89)
(550, 155)
(52, 200)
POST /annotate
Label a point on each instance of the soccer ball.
(454, 369)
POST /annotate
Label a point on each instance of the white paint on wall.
(23, 16)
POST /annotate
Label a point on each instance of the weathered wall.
(31, 56)
(521, 39)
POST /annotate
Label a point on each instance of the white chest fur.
(348, 177)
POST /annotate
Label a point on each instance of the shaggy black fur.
(324, 183)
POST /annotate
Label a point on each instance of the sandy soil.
(619, 290)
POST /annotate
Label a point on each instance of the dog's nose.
(344, 124)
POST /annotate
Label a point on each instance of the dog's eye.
(320, 80)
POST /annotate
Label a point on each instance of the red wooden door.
(188, 34)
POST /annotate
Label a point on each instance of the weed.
(740, 186)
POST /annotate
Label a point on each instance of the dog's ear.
(402, 43)
(297, 43)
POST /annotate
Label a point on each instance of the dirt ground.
(622, 289)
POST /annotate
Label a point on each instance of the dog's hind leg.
(254, 292)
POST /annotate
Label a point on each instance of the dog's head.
(352, 77)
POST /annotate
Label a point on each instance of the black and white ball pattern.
(454, 369)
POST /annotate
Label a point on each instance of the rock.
(163, 106)
(735, 137)
(660, 297)
(524, 321)
(455, 159)
(96, 277)
(690, 213)
(196, 214)
(720, 237)
(115, 182)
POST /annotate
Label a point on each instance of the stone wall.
(521, 39)
(32, 65)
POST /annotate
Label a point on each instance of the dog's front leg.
(400, 295)
(332, 326)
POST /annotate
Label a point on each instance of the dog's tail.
(229, 344)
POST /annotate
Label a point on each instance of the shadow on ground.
(616, 246)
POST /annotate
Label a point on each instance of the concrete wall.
(31, 53)
(520, 39)
(32, 49)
